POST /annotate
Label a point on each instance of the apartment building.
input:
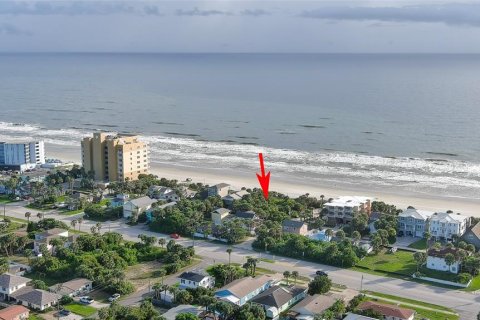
(342, 209)
(446, 225)
(413, 222)
(22, 156)
(115, 157)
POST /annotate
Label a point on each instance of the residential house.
(310, 306)
(446, 226)
(388, 311)
(472, 236)
(230, 198)
(295, 226)
(35, 298)
(242, 290)
(14, 313)
(119, 200)
(188, 193)
(194, 280)
(77, 198)
(73, 288)
(436, 260)
(220, 189)
(342, 209)
(374, 217)
(219, 214)
(18, 269)
(137, 206)
(163, 193)
(354, 316)
(172, 313)
(413, 222)
(277, 299)
(10, 283)
(55, 233)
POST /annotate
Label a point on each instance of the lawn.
(475, 285)
(34, 317)
(400, 262)
(5, 199)
(67, 212)
(406, 300)
(420, 244)
(80, 309)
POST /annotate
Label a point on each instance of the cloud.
(151, 10)
(467, 14)
(203, 13)
(65, 8)
(11, 30)
(254, 12)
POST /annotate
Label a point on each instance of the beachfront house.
(220, 189)
(295, 226)
(447, 225)
(342, 209)
(436, 260)
(277, 299)
(14, 313)
(10, 283)
(242, 290)
(219, 214)
(229, 199)
(163, 193)
(472, 236)
(413, 222)
(388, 311)
(194, 280)
(137, 206)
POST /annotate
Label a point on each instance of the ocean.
(385, 122)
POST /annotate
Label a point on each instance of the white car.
(114, 297)
(86, 300)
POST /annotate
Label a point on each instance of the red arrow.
(263, 179)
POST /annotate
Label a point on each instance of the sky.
(386, 26)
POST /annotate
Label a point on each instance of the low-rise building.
(241, 291)
(194, 280)
(10, 283)
(73, 288)
(446, 225)
(472, 236)
(135, 207)
(342, 209)
(413, 222)
(219, 214)
(163, 193)
(220, 189)
(277, 299)
(388, 311)
(229, 199)
(36, 298)
(14, 313)
(310, 306)
(436, 260)
(295, 226)
(45, 237)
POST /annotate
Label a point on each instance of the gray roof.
(9, 280)
(51, 232)
(192, 276)
(143, 202)
(35, 296)
(314, 304)
(222, 210)
(183, 308)
(222, 185)
(246, 215)
(277, 296)
(293, 223)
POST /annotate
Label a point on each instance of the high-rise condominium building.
(23, 155)
(115, 157)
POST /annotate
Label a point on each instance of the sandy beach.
(291, 186)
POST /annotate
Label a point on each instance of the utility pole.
(361, 284)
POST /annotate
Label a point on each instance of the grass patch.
(80, 309)
(67, 212)
(406, 300)
(34, 317)
(45, 207)
(6, 199)
(419, 245)
(474, 285)
(267, 260)
(400, 262)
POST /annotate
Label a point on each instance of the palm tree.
(162, 273)
(329, 233)
(73, 223)
(229, 251)
(79, 220)
(174, 291)
(40, 215)
(28, 214)
(427, 236)
(253, 264)
(295, 276)
(286, 275)
(98, 225)
(449, 260)
(162, 242)
(164, 288)
(157, 289)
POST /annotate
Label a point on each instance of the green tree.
(229, 251)
(286, 275)
(295, 276)
(319, 285)
(420, 259)
(450, 260)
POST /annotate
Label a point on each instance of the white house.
(137, 206)
(243, 290)
(73, 288)
(48, 235)
(219, 214)
(194, 280)
(10, 283)
(220, 189)
(436, 260)
(413, 222)
(444, 225)
(163, 193)
(277, 299)
(342, 209)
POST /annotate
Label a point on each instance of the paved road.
(467, 304)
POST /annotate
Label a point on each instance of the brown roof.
(442, 252)
(12, 312)
(387, 310)
(244, 286)
(476, 230)
(315, 304)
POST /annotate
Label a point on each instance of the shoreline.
(291, 186)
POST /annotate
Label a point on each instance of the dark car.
(321, 273)
(64, 312)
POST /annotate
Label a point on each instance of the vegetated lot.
(475, 285)
(141, 274)
(419, 245)
(410, 301)
(400, 262)
(80, 309)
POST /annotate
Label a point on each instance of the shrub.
(463, 278)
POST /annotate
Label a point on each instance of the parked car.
(114, 297)
(86, 300)
(321, 273)
(174, 236)
(64, 312)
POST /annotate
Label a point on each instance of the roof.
(348, 201)
(442, 252)
(234, 196)
(142, 202)
(417, 214)
(354, 316)
(293, 223)
(242, 193)
(246, 215)
(387, 310)
(12, 312)
(448, 217)
(221, 185)
(192, 276)
(76, 284)
(476, 230)
(221, 210)
(9, 280)
(183, 308)
(242, 287)
(277, 296)
(52, 232)
(35, 296)
(314, 304)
